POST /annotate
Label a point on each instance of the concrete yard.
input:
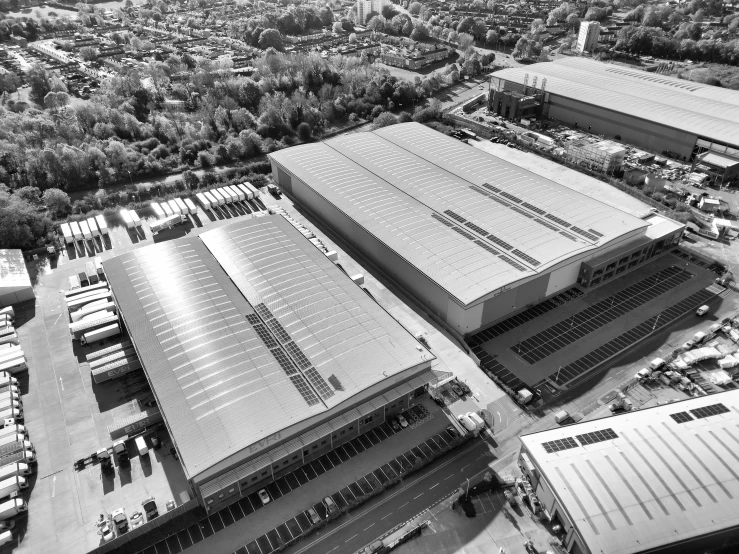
(505, 346)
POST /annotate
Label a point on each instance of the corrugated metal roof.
(670, 473)
(219, 386)
(470, 221)
(13, 272)
(705, 111)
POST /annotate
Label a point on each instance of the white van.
(141, 446)
(703, 310)
(467, 423)
(477, 420)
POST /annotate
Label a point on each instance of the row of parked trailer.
(12, 358)
(130, 218)
(227, 195)
(170, 213)
(83, 230)
(92, 313)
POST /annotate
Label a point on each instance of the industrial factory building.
(662, 479)
(471, 236)
(651, 111)
(261, 353)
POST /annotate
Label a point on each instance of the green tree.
(57, 202)
(271, 38)
(38, 80)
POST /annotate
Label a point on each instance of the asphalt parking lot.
(574, 329)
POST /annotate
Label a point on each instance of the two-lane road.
(424, 489)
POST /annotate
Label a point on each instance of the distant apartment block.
(366, 7)
(587, 39)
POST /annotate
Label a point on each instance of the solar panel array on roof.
(707, 411)
(596, 436)
(681, 417)
(559, 445)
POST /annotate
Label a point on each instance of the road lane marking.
(388, 515)
(369, 527)
(445, 478)
(334, 548)
(350, 538)
(464, 467)
(441, 466)
(419, 496)
(437, 484)
(53, 486)
(399, 507)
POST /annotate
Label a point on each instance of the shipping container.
(109, 350)
(165, 223)
(86, 233)
(135, 218)
(127, 220)
(93, 227)
(190, 206)
(76, 231)
(204, 202)
(182, 206)
(67, 233)
(12, 508)
(102, 225)
(158, 211)
(92, 274)
(100, 334)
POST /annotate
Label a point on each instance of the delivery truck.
(220, 199)
(15, 351)
(174, 207)
(93, 227)
(22, 457)
(102, 225)
(92, 356)
(12, 508)
(90, 323)
(86, 233)
(92, 274)
(76, 231)
(165, 223)
(81, 301)
(204, 202)
(66, 233)
(92, 307)
(191, 208)
(14, 366)
(12, 485)
(14, 429)
(76, 292)
(20, 469)
(115, 369)
(7, 439)
(112, 357)
(212, 199)
(135, 218)
(100, 334)
(182, 206)
(10, 404)
(9, 338)
(126, 217)
(158, 211)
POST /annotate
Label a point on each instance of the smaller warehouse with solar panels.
(662, 479)
(261, 353)
(471, 236)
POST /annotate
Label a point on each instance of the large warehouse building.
(651, 111)
(661, 479)
(473, 237)
(261, 353)
(15, 284)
